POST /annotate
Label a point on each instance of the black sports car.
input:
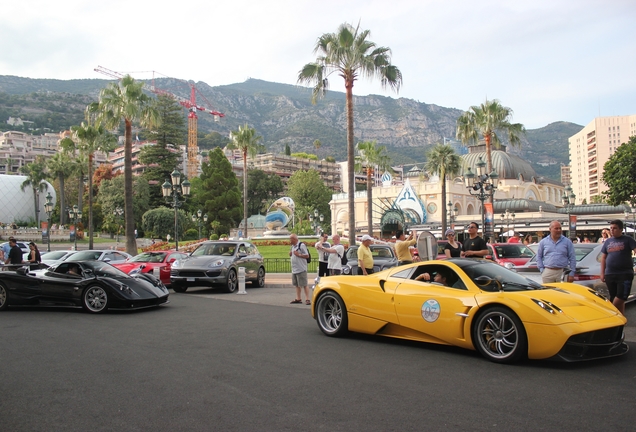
(96, 286)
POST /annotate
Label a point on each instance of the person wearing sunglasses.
(474, 246)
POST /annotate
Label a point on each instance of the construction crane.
(192, 107)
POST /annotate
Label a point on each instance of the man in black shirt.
(474, 246)
(15, 253)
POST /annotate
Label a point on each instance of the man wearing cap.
(402, 246)
(365, 257)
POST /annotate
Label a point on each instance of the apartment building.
(591, 148)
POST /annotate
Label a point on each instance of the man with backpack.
(336, 256)
(299, 258)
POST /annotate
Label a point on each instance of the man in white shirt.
(323, 257)
(336, 252)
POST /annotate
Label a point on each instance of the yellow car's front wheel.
(499, 335)
(331, 314)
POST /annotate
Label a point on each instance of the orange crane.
(192, 107)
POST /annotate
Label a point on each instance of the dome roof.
(507, 166)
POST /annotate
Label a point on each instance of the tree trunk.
(488, 139)
(444, 219)
(351, 190)
(90, 201)
(62, 203)
(369, 202)
(129, 217)
(245, 193)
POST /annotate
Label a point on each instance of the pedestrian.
(15, 253)
(617, 265)
(365, 257)
(6, 248)
(515, 238)
(323, 257)
(453, 249)
(336, 252)
(554, 254)
(299, 254)
(402, 245)
(34, 256)
(527, 239)
(605, 234)
(474, 246)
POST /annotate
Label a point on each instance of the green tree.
(287, 150)
(35, 173)
(160, 221)
(309, 192)
(619, 174)
(262, 188)
(488, 121)
(162, 158)
(443, 161)
(111, 196)
(245, 140)
(212, 140)
(303, 155)
(60, 166)
(126, 101)
(349, 54)
(217, 192)
(369, 158)
(88, 139)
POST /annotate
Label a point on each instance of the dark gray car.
(383, 258)
(216, 263)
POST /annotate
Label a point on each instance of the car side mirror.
(242, 255)
(106, 259)
(171, 260)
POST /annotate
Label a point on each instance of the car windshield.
(221, 248)
(85, 256)
(149, 257)
(101, 268)
(54, 255)
(490, 276)
(514, 251)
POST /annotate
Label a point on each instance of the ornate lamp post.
(175, 189)
(197, 219)
(569, 198)
(118, 213)
(315, 225)
(75, 215)
(481, 185)
(48, 208)
(452, 213)
(507, 218)
(632, 211)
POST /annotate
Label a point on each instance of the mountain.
(283, 114)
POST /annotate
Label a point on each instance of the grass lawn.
(282, 251)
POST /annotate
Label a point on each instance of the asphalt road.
(210, 361)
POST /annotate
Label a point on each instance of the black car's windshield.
(101, 268)
(149, 257)
(221, 248)
(492, 277)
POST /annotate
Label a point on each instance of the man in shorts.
(299, 254)
(617, 266)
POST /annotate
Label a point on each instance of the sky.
(558, 60)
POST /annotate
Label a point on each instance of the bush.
(192, 234)
(214, 237)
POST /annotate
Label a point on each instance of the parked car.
(588, 269)
(383, 258)
(510, 255)
(24, 247)
(97, 288)
(216, 263)
(109, 256)
(54, 257)
(158, 263)
(483, 307)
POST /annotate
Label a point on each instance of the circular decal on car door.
(431, 310)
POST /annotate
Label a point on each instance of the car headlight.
(125, 288)
(547, 306)
(509, 265)
(217, 263)
(346, 270)
(177, 264)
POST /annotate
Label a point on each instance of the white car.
(109, 256)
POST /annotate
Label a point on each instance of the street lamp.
(118, 213)
(481, 185)
(315, 225)
(75, 215)
(632, 211)
(452, 213)
(173, 189)
(48, 208)
(569, 198)
(507, 218)
(197, 219)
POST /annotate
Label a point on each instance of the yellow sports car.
(473, 304)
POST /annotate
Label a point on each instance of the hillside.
(283, 114)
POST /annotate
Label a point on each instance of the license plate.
(155, 271)
(190, 279)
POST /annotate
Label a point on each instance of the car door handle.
(462, 314)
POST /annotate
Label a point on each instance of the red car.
(510, 254)
(155, 262)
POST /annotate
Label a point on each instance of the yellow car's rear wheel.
(331, 314)
(499, 335)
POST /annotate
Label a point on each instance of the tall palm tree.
(35, 173)
(486, 122)
(245, 140)
(88, 139)
(349, 53)
(60, 166)
(126, 101)
(443, 160)
(369, 158)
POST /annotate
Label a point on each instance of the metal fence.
(283, 265)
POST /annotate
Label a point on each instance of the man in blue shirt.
(555, 253)
(617, 266)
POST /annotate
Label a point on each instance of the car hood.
(141, 287)
(203, 260)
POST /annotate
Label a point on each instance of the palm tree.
(35, 173)
(369, 158)
(245, 140)
(317, 145)
(60, 166)
(89, 139)
(126, 101)
(487, 121)
(349, 54)
(443, 160)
